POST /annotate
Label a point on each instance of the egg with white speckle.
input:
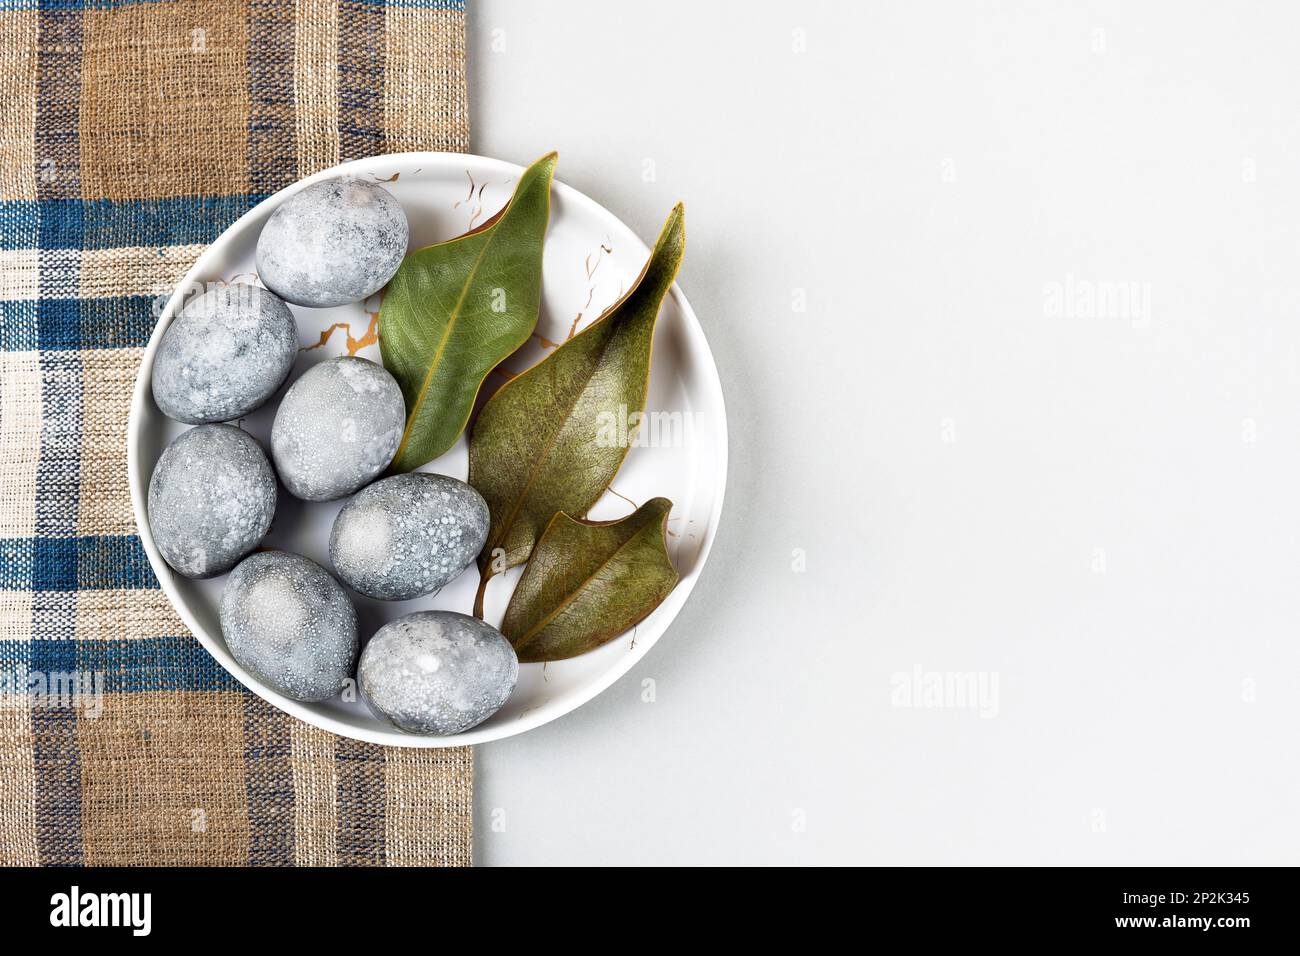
(337, 428)
(334, 242)
(290, 624)
(437, 672)
(408, 535)
(211, 499)
(224, 355)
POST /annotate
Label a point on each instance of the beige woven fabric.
(131, 134)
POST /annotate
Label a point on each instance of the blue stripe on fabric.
(359, 801)
(268, 776)
(58, 470)
(451, 6)
(135, 666)
(59, 63)
(57, 756)
(272, 154)
(88, 563)
(56, 5)
(15, 660)
(56, 750)
(109, 323)
(142, 665)
(15, 564)
(18, 326)
(360, 80)
(14, 5)
(104, 224)
(447, 5)
(454, 6)
(61, 324)
(107, 562)
(58, 324)
(54, 564)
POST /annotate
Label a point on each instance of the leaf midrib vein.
(551, 440)
(442, 344)
(573, 595)
(545, 453)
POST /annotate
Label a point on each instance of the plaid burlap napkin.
(132, 134)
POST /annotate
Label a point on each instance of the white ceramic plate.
(589, 259)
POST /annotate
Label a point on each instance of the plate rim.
(539, 716)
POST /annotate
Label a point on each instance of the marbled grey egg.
(437, 672)
(334, 242)
(224, 355)
(211, 499)
(337, 427)
(290, 624)
(408, 535)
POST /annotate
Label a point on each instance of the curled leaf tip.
(674, 230)
(546, 162)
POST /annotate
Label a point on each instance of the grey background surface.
(1039, 421)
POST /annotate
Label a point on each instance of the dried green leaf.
(541, 445)
(454, 310)
(588, 582)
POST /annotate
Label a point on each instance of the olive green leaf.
(454, 310)
(547, 441)
(588, 582)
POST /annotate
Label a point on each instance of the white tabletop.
(1006, 312)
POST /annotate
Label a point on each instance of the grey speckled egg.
(224, 355)
(408, 535)
(437, 672)
(211, 499)
(290, 624)
(337, 427)
(334, 242)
